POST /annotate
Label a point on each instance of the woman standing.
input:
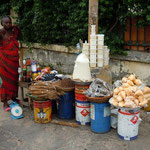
(9, 61)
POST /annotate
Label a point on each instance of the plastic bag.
(98, 88)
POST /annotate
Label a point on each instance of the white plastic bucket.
(128, 123)
(83, 112)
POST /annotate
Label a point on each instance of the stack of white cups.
(86, 49)
(93, 47)
(100, 55)
(106, 56)
(97, 53)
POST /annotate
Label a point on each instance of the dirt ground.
(25, 134)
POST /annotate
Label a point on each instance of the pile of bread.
(130, 94)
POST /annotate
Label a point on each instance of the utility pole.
(93, 16)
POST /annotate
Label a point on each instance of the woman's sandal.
(7, 109)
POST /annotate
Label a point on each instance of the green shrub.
(65, 22)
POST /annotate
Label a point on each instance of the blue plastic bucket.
(83, 112)
(54, 107)
(66, 105)
(100, 117)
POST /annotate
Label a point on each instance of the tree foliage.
(65, 22)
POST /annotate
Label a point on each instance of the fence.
(137, 38)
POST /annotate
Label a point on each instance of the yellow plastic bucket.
(148, 107)
(42, 111)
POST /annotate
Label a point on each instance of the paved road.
(25, 134)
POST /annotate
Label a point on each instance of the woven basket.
(99, 99)
(69, 89)
(36, 98)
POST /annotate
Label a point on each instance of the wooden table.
(24, 85)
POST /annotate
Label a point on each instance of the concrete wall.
(136, 62)
(62, 58)
(58, 57)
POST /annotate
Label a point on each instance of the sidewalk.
(25, 134)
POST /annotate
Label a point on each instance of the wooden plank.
(127, 35)
(133, 33)
(72, 124)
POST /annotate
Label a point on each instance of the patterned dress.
(9, 62)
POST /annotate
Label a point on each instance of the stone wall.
(58, 57)
(136, 62)
(62, 58)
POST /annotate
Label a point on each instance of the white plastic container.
(100, 42)
(100, 37)
(100, 62)
(93, 65)
(93, 37)
(92, 47)
(93, 42)
(33, 67)
(100, 56)
(106, 53)
(81, 68)
(83, 112)
(128, 123)
(100, 51)
(92, 57)
(106, 61)
(105, 47)
(100, 47)
(92, 61)
(93, 51)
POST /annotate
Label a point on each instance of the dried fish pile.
(45, 90)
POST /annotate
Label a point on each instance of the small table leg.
(30, 102)
(22, 94)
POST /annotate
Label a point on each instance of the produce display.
(131, 93)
